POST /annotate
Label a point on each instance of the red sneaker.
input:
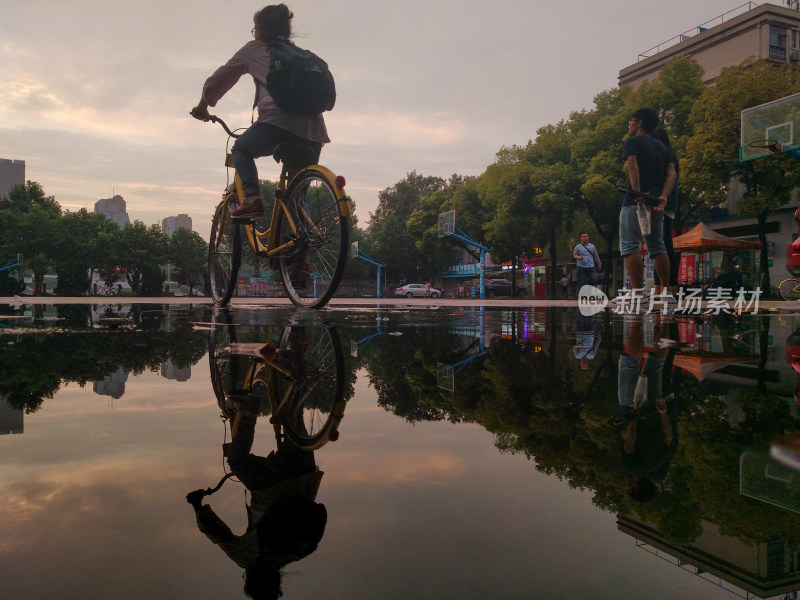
(249, 210)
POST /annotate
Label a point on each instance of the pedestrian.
(427, 289)
(564, 285)
(588, 260)
(671, 211)
(274, 125)
(651, 170)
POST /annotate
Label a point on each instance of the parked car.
(416, 290)
(502, 287)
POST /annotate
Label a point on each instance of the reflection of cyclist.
(284, 523)
(650, 436)
(274, 126)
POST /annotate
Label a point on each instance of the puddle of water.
(447, 453)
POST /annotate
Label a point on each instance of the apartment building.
(768, 31)
(114, 209)
(170, 225)
(12, 172)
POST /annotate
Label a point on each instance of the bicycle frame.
(306, 405)
(257, 239)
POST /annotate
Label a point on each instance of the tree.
(530, 191)
(393, 245)
(188, 252)
(436, 253)
(82, 241)
(142, 251)
(507, 196)
(29, 222)
(23, 198)
(712, 153)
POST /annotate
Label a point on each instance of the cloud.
(96, 94)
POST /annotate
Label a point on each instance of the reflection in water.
(80, 347)
(600, 404)
(649, 408)
(284, 523)
(587, 340)
(296, 376)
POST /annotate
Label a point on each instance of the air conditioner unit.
(794, 55)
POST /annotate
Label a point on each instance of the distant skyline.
(96, 95)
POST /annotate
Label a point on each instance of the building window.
(777, 42)
(794, 47)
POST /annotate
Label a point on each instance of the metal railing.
(747, 6)
(777, 53)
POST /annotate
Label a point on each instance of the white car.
(416, 290)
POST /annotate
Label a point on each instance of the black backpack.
(298, 80)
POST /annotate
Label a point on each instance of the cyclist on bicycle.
(274, 125)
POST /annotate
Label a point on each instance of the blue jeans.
(586, 275)
(259, 140)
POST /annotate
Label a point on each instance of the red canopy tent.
(702, 238)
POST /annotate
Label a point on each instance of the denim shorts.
(630, 234)
(628, 376)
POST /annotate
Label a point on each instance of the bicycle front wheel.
(789, 289)
(318, 232)
(222, 366)
(224, 253)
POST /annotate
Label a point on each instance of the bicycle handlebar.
(216, 119)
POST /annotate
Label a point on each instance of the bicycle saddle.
(295, 156)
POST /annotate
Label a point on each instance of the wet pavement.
(413, 450)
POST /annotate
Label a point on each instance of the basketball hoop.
(769, 145)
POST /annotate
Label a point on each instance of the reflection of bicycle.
(300, 376)
(306, 237)
(789, 289)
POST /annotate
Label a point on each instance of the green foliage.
(29, 218)
(23, 198)
(188, 253)
(391, 242)
(142, 251)
(81, 242)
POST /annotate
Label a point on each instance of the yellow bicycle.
(301, 379)
(306, 238)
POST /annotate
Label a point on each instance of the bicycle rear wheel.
(311, 416)
(224, 252)
(790, 289)
(312, 268)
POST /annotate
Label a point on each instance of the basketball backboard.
(447, 223)
(770, 127)
(445, 377)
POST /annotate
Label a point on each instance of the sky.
(95, 94)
